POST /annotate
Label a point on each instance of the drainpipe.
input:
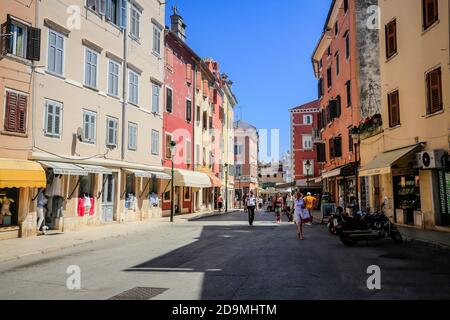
(124, 88)
(33, 80)
(194, 109)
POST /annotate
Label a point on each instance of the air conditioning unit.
(432, 159)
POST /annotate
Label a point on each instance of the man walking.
(41, 201)
(309, 202)
(251, 206)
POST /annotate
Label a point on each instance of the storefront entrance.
(108, 198)
(406, 196)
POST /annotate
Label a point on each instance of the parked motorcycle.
(369, 227)
(335, 221)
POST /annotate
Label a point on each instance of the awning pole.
(76, 186)
(143, 190)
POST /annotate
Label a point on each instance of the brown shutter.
(391, 38)
(22, 114)
(394, 109)
(34, 44)
(189, 73)
(434, 91)
(6, 44)
(214, 96)
(12, 100)
(205, 88)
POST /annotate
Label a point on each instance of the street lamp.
(240, 192)
(172, 208)
(226, 187)
(308, 166)
(356, 136)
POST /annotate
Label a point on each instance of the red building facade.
(303, 136)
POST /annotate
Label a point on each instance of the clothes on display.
(54, 187)
(130, 202)
(154, 200)
(86, 205)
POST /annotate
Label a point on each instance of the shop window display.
(9, 202)
(86, 201)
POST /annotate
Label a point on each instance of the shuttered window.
(156, 89)
(133, 87)
(338, 147)
(198, 81)
(205, 120)
(188, 110)
(391, 38)
(55, 52)
(155, 142)
(113, 78)
(321, 154)
(90, 71)
(188, 152)
(331, 148)
(156, 40)
(320, 84)
(434, 91)
(132, 136)
(111, 131)
(394, 108)
(53, 117)
(168, 151)
(89, 126)
(329, 80)
(169, 99)
(347, 45)
(345, 6)
(338, 107)
(348, 86)
(430, 13)
(338, 65)
(16, 112)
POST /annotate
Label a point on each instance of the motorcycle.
(335, 221)
(369, 227)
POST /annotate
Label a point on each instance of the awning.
(64, 168)
(382, 163)
(331, 174)
(216, 182)
(345, 171)
(15, 173)
(161, 175)
(95, 169)
(149, 174)
(184, 178)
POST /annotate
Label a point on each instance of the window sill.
(51, 136)
(133, 104)
(432, 26)
(132, 150)
(14, 134)
(134, 38)
(394, 127)
(156, 54)
(113, 96)
(433, 114)
(90, 88)
(391, 57)
(53, 74)
(18, 59)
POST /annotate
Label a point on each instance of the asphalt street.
(224, 258)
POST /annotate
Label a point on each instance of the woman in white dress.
(300, 214)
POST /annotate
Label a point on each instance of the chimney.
(178, 27)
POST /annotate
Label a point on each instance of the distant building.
(303, 137)
(286, 160)
(270, 174)
(246, 141)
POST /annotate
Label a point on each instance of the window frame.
(393, 124)
(171, 100)
(188, 103)
(155, 135)
(307, 144)
(63, 58)
(426, 25)
(132, 125)
(307, 116)
(97, 55)
(115, 130)
(6, 117)
(135, 9)
(158, 100)
(130, 84)
(429, 106)
(391, 52)
(90, 140)
(46, 114)
(13, 38)
(116, 64)
(157, 34)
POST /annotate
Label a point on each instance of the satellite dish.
(80, 134)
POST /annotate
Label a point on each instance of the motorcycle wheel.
(332, 228)
(349, 242)
(396, 237)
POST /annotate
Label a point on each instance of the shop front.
(19, 181)
(340, 184)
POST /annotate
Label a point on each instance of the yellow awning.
(382, 163)
(185, 178)
(15, 173)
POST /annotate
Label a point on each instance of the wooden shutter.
(34, 44)
(434, 88)
(394, 109)
(6, 40)
(169, 100)
(331, 146)
(189, 73)
(430, 13)
(338, 147)
(215, 96)
(12, 100)
(391, 39)
(168, 141)
(205, 88)
(319, 122)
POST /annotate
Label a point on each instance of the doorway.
(108, 198)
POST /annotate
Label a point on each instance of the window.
(345, 6)
(18, 39)
(307, 119)
(331, 148)
(188, 152)
(16, 112)
(349, 93)
(156, 40)
(111, 132)
(430, 13)
(347, 45)
(338, 147)
(238, 149)
(113, 78)
(198, 116)
(434, 91)
(338, 106)
(132, 136)
(394, 109)
(90, 70)
(89, 126)
(169, 99)
(135, 21)
(53, 117)
(187, 193)
(321, 153)
(133, 90)
(55, 61)
(320, 88)
(391, 38)
(197, 154)
(189, 74)
(155, 142)
(350, 140)
(113, 11)
(168, 151)
(188, 110)
(338, 66)
(329, 75)
(336, 28)
(155, 97)
(307, 142)
(329, 51)
(205, 120)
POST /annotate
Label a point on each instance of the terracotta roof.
(309, 105)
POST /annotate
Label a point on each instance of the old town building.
(346, 64)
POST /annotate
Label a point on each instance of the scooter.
(369, 227)
(335, 221)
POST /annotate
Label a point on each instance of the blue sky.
(265, 47)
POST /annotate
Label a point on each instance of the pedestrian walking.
(41, 201)
(220, 202)
(279, 205)
(301, 214)
(289, 206)
(251, 206)
(309, 202)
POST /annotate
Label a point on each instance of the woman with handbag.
(301, 214)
